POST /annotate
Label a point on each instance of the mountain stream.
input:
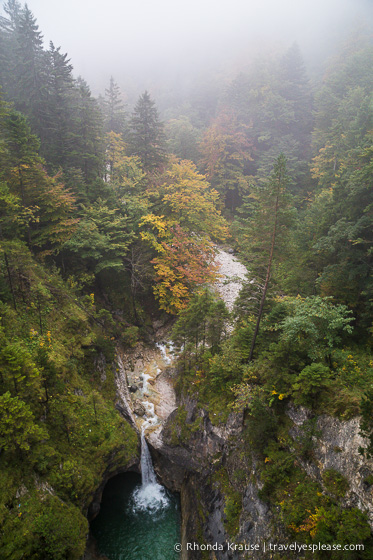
(139, 518)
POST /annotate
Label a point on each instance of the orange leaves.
(180, 234)
(184, 262)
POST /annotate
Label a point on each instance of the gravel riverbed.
(232, 276)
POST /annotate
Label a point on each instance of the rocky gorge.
(210, 462)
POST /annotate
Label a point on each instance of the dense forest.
(109, 221)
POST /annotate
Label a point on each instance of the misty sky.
(145, 39)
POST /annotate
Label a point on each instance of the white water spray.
(166, 351)
(151, 495)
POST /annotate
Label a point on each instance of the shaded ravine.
(144, 379)
(138, 518)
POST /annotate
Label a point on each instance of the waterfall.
(150, 495)
(147, 471)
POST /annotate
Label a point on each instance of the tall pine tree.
(147, 138)
(29, 71)
(113, 109)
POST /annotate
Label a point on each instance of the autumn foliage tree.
(188, 199)
(185, 218)
(183, 262)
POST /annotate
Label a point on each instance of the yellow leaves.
(189, 201)
(156, 223)
(181, 234)
(324, 162)
(157, 229)
(115, 150)
(184, 262)
(309, 525)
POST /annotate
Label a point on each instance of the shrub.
(311, 381)
(335, 482)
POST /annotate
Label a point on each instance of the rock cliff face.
(200, 463)
(212, 465)
(336, 446)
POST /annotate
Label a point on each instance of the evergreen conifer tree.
(147, 138)
(115, 117)
(271, 215)
(56, 136)
(29, 71)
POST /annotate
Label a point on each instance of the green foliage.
(316, 324)
(202, 324)
(130, 336)
(307, 513)
(279, 468)
(181, 428)
(182, 138)
(102, 238)
(58, 423)
(39, 525)
(147, 138)
(343, 526)
(273, 100)
(262, 424)
(72, 481)
(311, 381)
(225, 368)
(304, 442)
(267, 217)
(335, 483)
(19, 374)
(115, 117)
(60, 530)
(18, 430)
(232, 511)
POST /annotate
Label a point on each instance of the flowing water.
(139, 518)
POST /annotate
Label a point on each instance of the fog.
(147, 42)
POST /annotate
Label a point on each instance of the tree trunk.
(268, 275)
